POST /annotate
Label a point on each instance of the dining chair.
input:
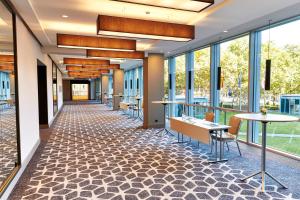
(231, 135)
(209, 116)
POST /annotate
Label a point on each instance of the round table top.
(164, 102)
(267, 117)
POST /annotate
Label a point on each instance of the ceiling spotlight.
(225, 31)
(64, 16)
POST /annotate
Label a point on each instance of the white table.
(200, 130)
(165, 103)
(264, 119)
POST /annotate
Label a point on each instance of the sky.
(285, 34)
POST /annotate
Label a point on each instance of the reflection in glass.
(54, 88)
(8, 127)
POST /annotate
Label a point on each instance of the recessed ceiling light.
(64, 16)
(225, 31)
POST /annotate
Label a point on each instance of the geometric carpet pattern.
(8, 142)
(96, 153)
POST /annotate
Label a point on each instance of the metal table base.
(263, 171)
(221, 155)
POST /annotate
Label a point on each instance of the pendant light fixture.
(268, 63)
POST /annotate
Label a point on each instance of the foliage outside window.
(284, 95)
(166, 79)
(234, 78)
(202, 76)
(234, 63)
(179, 83)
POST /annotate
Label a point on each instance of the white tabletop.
(202, 123)
(267, 117)
(165, 102)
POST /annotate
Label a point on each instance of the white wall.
(28, 51)
(49, 91)
(59, 90)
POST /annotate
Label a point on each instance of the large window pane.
(284, 96)
(166, 79)
(179, 83)
(201, 80)
(234, 79)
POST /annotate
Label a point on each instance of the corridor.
(96, 153)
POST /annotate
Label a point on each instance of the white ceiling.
(45, 19)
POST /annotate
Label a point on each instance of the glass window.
(166, 79)
(201, 80)
(234, 63)
(179, 83)
(284, 94)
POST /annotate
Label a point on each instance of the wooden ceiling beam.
(89, 42)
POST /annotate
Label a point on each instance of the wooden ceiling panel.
(6, 58)
(138, 55)
(82, 61)
(91, 67)
(89, 42)
(137, 28)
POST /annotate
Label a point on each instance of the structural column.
(118, 87)
(189, 81)
(214, 64)
(153, 90)
(93, 89)
(172, 78)
(254, 83)
(104, 87)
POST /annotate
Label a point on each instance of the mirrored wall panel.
(8, 113)
(54, 88)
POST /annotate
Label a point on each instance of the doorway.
(42, 93)
(80, 91)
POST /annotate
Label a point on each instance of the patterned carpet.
(95, 153)
(8, 142)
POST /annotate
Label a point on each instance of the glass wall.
(201, 94)
(234, 58)
(133, 84)
(9, 155)
(234, 63)
(166, 79)
(180, 81)
(54, 88)
(284, 95)
(234, 77)
(110, 87)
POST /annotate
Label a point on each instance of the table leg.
(165, 129)
(263, 155)
(263, 171)
(220, 159)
